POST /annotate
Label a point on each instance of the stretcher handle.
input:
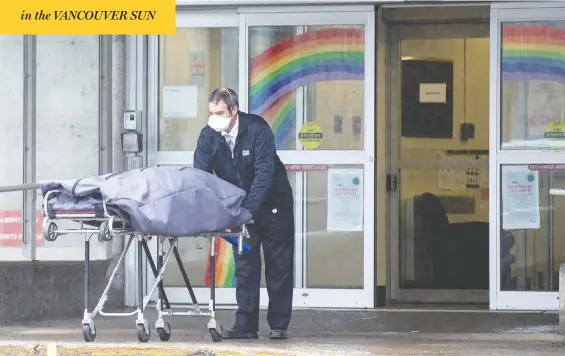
(244, 234)
(240, 244)
(46, 199)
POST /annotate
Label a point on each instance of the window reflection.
(196, 60)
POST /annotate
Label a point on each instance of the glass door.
(184, 68)
(311, 76)
(439, 212)
(527, 92)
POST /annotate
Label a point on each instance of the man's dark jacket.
(255, 167)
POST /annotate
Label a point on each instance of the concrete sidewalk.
(319, 332)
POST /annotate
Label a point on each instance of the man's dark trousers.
(274, 230)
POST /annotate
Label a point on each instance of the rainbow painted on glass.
(533, 52)
(322, 55)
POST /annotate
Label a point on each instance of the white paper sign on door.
(180, 101)
(433, 93)
(520, 198)
(345, 199)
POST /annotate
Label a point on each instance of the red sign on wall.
(11, 229)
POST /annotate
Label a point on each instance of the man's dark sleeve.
(202, 157)
(264, 169)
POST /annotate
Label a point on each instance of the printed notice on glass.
(345, 199)
(180, 101)
(520, 198)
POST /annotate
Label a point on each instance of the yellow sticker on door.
(310, 135)
(555, 129)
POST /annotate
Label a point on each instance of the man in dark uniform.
(240, 149)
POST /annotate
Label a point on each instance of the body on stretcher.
(94, 218)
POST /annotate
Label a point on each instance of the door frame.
(397, 33)
(515, 12)
(295, 16)
(226, 18)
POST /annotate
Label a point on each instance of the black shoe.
(240, 335)
(278, 335)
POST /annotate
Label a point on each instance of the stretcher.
(94, 218)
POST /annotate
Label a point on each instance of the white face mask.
(219, 123)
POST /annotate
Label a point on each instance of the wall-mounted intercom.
(132, 121)
(132, 138)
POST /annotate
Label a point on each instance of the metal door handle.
(557, 191)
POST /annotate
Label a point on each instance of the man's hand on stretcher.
(237, 230)
(236, 238)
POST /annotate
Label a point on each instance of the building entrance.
(438, 80)
(310, 73)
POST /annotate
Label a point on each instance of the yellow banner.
(91, 17)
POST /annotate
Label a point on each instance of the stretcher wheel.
(50, 231)
(104, 232)
(165, 333)
(215, 334)
(89, 333)
(143, 335)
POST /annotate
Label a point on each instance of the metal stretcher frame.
(106, 232)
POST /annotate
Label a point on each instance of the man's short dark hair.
(227, 95)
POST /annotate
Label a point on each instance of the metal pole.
(550, 235)
(29, 145)
(18, 188)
